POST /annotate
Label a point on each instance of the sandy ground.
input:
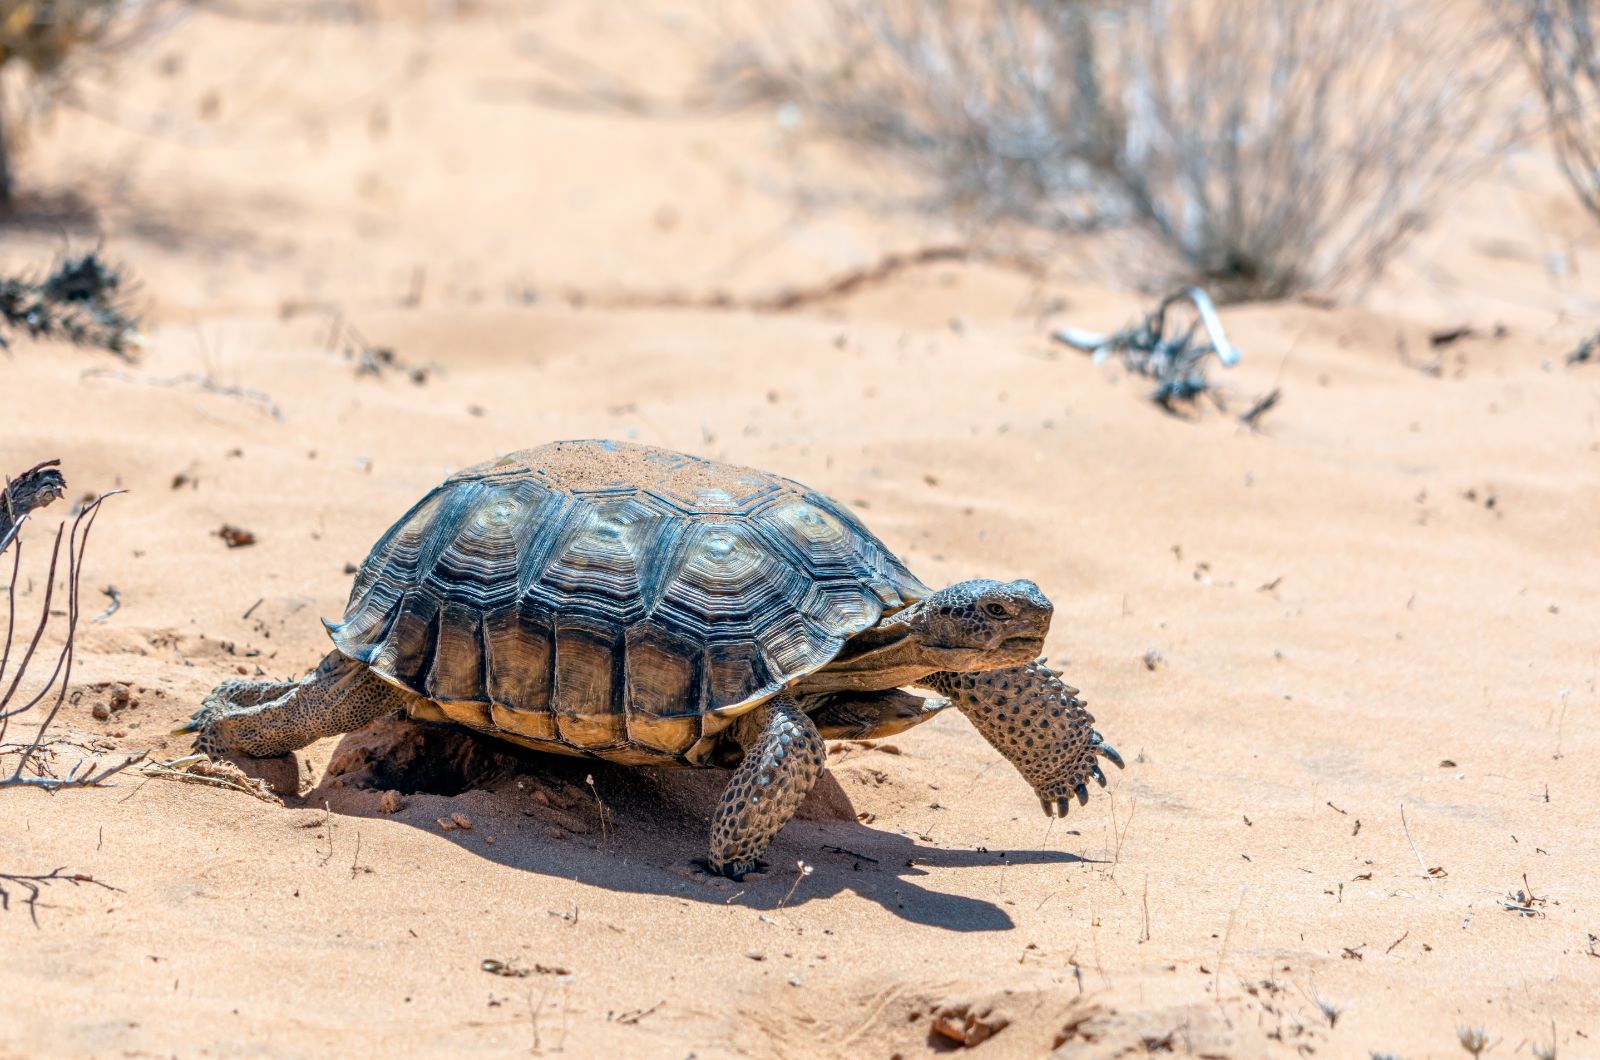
(1378, 614)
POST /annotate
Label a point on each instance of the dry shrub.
(1275, 146)
(57, 41)
(1561, 41)
(83, 300)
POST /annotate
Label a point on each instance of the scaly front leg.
(783, 757)
(266, 718)
(1038, 723)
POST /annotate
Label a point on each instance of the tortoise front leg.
(266, 718)
(783, 757)
(1036, 720)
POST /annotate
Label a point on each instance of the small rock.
(287, 774)
(966, 1023)
(101, 711)
(235, 536)
(391, 802)
(461, 820)
(445, 824)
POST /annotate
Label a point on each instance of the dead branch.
(1251, 417)
(259, 398)
(1173, 356)
(34, 885)
(787, 299)
(198, 769)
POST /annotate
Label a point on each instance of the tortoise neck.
(891, 654)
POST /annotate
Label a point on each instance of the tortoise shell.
(615, 600)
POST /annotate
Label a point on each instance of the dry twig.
(1175, 358)
(260, 398)
(39, 486)
(34, 885)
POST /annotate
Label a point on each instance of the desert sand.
(1351, 657)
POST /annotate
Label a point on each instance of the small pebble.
(391, 802)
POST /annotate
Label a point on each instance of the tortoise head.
(982, 624)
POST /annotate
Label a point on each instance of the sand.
(1351, 658)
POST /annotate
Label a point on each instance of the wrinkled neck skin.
(1032, 718)
(892, 654)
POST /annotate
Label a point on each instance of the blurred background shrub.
(1274, 147)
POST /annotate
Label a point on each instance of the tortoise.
(643, 606)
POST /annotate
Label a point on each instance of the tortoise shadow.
(632, 829)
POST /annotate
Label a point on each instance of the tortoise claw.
(1098, 774)
(1082, 791)
(733, 870)
(1105, 750)
(1056, 807)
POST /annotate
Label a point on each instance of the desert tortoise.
(639, 605)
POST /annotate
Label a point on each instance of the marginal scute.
(587, 703)
(613, 599)
(457, 670)
(519, 643)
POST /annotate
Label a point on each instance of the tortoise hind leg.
(266, 718)
(784, 756)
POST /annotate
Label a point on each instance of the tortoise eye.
(997, 610)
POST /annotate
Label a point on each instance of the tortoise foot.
(735, 870)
